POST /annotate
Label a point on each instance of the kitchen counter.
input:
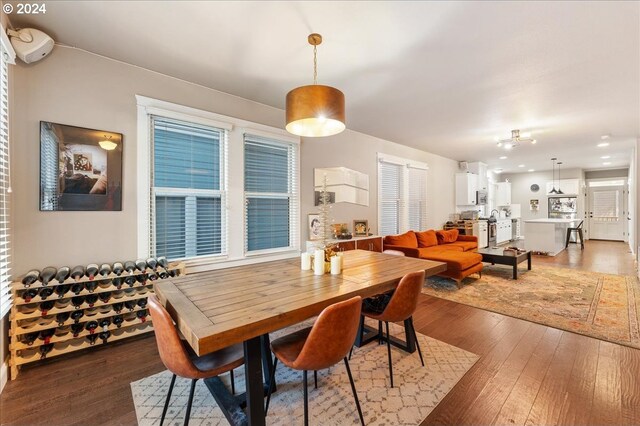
(547, 235)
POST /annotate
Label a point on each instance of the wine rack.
(27, 319)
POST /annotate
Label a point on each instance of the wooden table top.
(219, 308)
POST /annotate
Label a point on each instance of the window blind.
(5, 275)
(417, 199)
(390, 194)
(49, 154)
(271, 193)
(188, 189)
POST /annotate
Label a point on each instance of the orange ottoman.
(459, 264)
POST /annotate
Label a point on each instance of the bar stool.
(320, 346)
(577, 229)
(401, 307)
(182, 361)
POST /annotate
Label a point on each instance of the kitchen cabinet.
(480, 169)
(503, 194)
(371, 244)
(466, 187)
(503, 231)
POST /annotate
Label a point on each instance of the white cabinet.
(480, 169)
(503, 231)
(503, 194)
(466, 187)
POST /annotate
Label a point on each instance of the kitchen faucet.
(494, 210)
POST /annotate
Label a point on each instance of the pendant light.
(559, 190)
(553, 179)
(315, 110)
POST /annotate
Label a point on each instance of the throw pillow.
(427, 238)
(449, 236)
(408, 239)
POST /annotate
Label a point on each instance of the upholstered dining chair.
(401, 307)
(318, 347)
(178, 357)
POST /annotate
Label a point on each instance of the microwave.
(482, 198)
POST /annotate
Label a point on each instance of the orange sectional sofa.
(457, 251)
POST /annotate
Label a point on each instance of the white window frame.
(234, 203)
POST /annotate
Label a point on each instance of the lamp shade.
(315, 111)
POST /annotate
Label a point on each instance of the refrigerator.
(563, 207)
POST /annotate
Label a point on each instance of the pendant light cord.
(315, 65)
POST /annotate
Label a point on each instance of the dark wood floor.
(527, 373)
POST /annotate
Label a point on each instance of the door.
(606, 213)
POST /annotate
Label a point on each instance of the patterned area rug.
(595, 304)
(417, 389)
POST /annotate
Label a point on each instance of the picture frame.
(80, 168)
(360, 228)
(314, 227)
(331, 198)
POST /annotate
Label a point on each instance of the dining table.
(243, 304)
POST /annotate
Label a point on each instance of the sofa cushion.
(456, 261)
(426, 252)
(427, 238)
(408, 239)
(465, 245)
(445, 237)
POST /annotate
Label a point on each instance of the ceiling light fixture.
(515, 140)
(605, 157)
(559, 190)
(107, 144)
(315, 110)
(553, 178)
(498, 171)
(603, 144)
(520, 165)
(504, 157)
(531, 170)
(605, 137)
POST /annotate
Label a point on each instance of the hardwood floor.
(527, 374)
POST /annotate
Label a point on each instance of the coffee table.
(495, 255)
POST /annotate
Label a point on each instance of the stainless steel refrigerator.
(563, 207)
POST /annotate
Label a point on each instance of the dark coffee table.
(495, 255)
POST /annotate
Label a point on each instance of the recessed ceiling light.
(606, 163)
(534, 141)
(604, 157)
(520, 165)
(603, 144)
(531, 170)
(504, 157)
(498, 170)
(605, 137)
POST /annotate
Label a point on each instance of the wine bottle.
(62, 317)
(91, 299)
(77, 272)
(91, 326)
(141, 265)
(45, 306)
(104, 335)
(29, 294)
(91, 286)
(117, 282)
(45, 292)
(31, 277)
(46, 335)
(117, 320)
(47, 274)
(142, 302)
(92, 338)
(45, 349)
(62, 274)
(105, 296)
(77, 288)
(118, 268)
(163, 275)
(117, 307)
(76, 315)
(142, 315)
(130, 304)
(105, 269)
(152, 263)
(152, 276)
(141, 278)
(104, 323)
(130, 280)
(61, 290)
(29, 338)
(162, 261)
(91, 271)
(129, 266)
(76, 329)
(77, 301)
(173, 273)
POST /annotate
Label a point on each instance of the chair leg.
(315, 379)
(191, 392)
(415, 337)
(271, 379)
(389, 352)
(350, 352)
(306, 398)
(166, 404)
(233, 382)
(380, 332)
(353, 389)
(581, 239)
(568, 238)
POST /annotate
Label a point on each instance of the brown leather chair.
(320, 346)
(180, 359)
(401, 307)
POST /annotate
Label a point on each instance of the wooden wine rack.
(24, 319)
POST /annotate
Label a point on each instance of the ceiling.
(445, 77)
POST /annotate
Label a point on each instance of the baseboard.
(4, 373)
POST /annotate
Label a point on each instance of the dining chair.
(180, 359)
(401, 307)
(577, 230)
(320, 346)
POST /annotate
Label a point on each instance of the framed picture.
(360, 228)
(315, 231)
(331, 197)
(80, 168)
(533, 205)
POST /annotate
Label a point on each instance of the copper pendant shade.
(315, 110)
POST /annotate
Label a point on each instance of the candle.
(340, 253)
(336, 265)
(305, 261)
(318, 262)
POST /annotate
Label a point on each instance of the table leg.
(253, 377)
(529, 261)
(267, 361)
(515, 270)
(409, 336)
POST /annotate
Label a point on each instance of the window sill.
(223, 262)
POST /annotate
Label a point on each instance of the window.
(5, 182)
(402, 195)
(188, 189)
(271, 193)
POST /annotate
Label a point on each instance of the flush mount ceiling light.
(504, 157)
(515, 140)
(603, 144)
(315, 110)
(107, 144)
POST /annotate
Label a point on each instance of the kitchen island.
(547, 235)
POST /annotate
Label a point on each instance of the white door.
(606, 218)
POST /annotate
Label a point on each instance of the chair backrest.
(404, 301)
(331, 336)
(172, 351)
(580, 225)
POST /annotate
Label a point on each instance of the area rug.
(417, 389)
(595, 304)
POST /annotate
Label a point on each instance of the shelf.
(17, 346)
(21, 302)
(17, 331)
(33, 354)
